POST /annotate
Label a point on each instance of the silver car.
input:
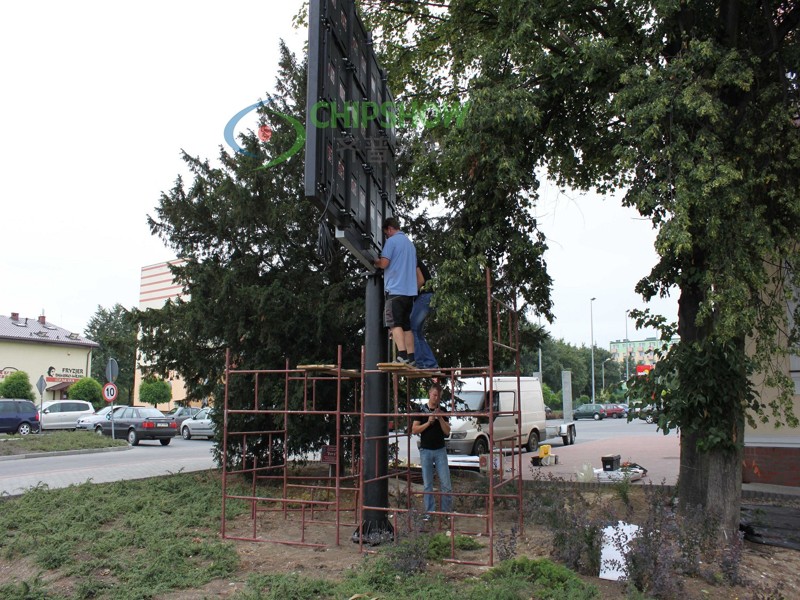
(199, 425)
(88, 422)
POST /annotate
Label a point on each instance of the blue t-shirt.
(400, 277)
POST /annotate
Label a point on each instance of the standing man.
(433, 427)
(422, 306)
(399, 263)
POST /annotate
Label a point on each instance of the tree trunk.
(712, 482)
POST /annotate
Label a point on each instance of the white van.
(469, 435)
(64, 414)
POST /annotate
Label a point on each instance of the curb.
(63, 453)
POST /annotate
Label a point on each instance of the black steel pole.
(375, 525)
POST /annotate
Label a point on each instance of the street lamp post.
(604, 373)
(591, 330)
(627, 353)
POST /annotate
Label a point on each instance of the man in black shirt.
(433, 427)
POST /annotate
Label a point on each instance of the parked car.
(87, 423)
(199, 425)
(650, 413)
(137, 423)
(616, 411)
(589, 411)
(64, 414)
(18, 416)
(181, 413)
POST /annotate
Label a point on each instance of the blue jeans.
(436, 461)
(423, 354)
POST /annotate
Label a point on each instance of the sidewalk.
(659, 454)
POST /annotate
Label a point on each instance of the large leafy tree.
(692, 108)
(115, 330)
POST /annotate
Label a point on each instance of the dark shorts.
(397, 312)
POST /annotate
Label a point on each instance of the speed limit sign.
(110, 392)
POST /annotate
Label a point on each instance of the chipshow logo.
(332, 115)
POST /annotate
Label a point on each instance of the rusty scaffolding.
(316, 500)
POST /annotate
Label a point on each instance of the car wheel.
(133, 439)
(186, 434)
(98, 430)
(596, 416)
(649, 419)
(616, 415)
(24, 428)
(571, 436)
(165, 442)
(533, 442)
(480, 447)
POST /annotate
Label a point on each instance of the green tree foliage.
(692, 109)
(17, 385)
(89, 389)
(115, 330)
(155, 391)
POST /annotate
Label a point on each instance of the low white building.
(43, 349)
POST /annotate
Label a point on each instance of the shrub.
(17, 385)
(88, 389)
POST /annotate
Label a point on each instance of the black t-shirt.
(432, 438)
(426, 274)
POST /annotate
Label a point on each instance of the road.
(148, 459)
(635, 441)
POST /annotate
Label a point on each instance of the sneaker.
(405, 361)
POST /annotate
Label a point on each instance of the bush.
(17, 385)
(88, 389)
(155, 391)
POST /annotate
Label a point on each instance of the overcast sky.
(100, 97)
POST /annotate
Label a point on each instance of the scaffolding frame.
(316, 509)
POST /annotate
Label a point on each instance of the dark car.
(181, 413)
(650, 413)
(589, 411)
(18, 416)
(616, 411)
(137, 423)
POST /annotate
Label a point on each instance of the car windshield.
(470, 401)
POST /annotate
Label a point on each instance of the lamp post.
(627, 352)
(591, 331)
(604, 373)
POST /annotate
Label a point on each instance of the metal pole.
(591, 329)
(375, 526)
(627, 353)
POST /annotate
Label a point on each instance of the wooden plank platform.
(330, 370)
(409, 371)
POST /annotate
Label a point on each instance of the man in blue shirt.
(399, 263)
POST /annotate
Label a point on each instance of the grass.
(56, 441)
(130, 539)
(147, 538)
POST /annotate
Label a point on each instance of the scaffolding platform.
(330, 370)
(409, 371)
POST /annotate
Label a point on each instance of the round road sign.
(110, 392)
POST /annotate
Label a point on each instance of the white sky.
(100, 97)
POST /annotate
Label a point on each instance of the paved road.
(148, 459)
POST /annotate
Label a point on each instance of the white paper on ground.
(615, 544)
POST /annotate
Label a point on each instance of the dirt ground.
(770, 573)
(766, 569)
